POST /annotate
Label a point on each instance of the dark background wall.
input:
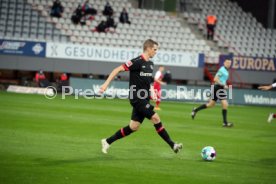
(104, 68)
(258, 8)
(84, 67)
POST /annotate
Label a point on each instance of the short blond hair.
(149, 43)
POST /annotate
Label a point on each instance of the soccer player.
(141, 69)
(218, 92)
(271, 116)
(157, 85)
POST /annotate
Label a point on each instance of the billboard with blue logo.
(25, 48)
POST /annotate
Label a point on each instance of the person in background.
(110, 22)
(167, 77)
(211, 21)
(158, 81)
(77, 15)
(87, 8)
(108, 10)
(57, 9)
(101, 28)
(124, 17)
(41, 79)
(218, 93)
(63, 77)
(271, 116)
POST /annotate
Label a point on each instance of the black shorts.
(141, 109)
(218, 93)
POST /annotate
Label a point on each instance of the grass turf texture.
(58, 141)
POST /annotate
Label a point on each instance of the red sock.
(157, 103)
(274, 115)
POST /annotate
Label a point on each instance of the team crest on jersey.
(128, 63)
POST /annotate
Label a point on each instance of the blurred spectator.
(41, 79)
(167, 77)
(87, 8)
(108, 10)
(101, 28)
(63, 81)
(63, 77)
(77, 15)
(104, 26)
(57, 9)
(110, 22)
(182, 5)
(211, 21)
(124, 17)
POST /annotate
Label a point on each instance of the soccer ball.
(208, 153)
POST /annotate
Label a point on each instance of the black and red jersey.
(140, 79)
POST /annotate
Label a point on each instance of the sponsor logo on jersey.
(128, 63)
(145, 74)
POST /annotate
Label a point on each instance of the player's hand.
(153, 96)
(265, 88)
(102, 89)
(226, 87)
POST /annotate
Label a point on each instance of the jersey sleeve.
(157, 75)
(219, 73)
(274, 85)
(132, 65)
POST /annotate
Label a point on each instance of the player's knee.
(211, 104)
(155, 118)
(224, 106)
(134, 126)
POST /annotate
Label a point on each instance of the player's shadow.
(268, 161)
(264, 162)
(52, 162)
(91, 160)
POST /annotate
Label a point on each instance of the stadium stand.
(236, 30)
(39, 25)
(20, 21)
(30, 20)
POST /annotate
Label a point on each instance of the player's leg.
(208, 31)
(210, 104)
(160, 129)
(123, 132)
(158, 101)
(224, 105)
(271, 116)
(136, 120)
(212, 32)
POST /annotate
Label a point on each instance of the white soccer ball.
(208, 153)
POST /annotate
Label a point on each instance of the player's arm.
(157, 78)
(111, 77)
(160, 81)
(267, 87)
(153, 93)
(217, 81)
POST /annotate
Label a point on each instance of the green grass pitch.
(58, 141)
